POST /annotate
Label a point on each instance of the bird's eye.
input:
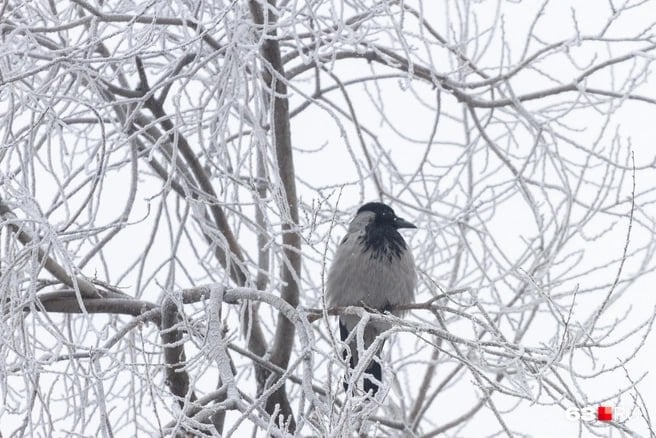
(387, 215)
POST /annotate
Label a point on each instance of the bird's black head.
(381, 238)
(385, 216)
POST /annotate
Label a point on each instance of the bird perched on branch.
(373, 267)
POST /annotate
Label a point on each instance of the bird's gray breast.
(356, 278)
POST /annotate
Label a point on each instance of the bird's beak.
(402, 223)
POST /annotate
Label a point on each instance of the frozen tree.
(176, 175)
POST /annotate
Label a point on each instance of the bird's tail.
(373, 373)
